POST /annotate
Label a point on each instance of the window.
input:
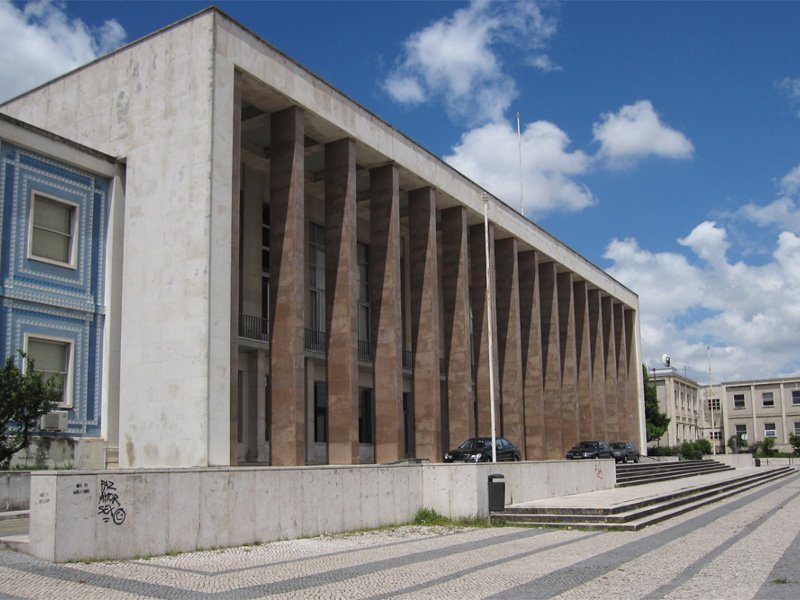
(713, 404)
(265, 261)
(796, 397)
(769, 430)
(767, 399)
(365, 421)
(715, 435)
(52, 235)
(738, 401)
(364, 351)
(741, 430)
(52, 359)
(797, 427)
(316, 286)
(320, 411)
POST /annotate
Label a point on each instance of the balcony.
(364, 351)
(253, 328)
(315, 340)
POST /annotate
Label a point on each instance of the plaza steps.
(13, 530)
(643, 473)
(633, 509)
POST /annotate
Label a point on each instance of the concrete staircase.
(643, 473)
(620, 510)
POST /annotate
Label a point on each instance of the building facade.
(299, 283)
(680, 398)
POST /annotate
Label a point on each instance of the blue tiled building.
(54, 221)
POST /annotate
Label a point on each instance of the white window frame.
(744, 402)
(767, 397)
(795, 397)
(770, 432)
(73, 238)
(67, 397)
(797, 427)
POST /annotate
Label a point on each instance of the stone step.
(628, 475)
(17, 543)
(636, 515)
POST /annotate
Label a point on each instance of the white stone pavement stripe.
(371, 549)
(475, 568)
(561, 580)
(693, 569)
(783, 582)
(70, 574)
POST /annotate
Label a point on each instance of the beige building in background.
(680, 398)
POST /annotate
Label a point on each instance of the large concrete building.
(287, 280)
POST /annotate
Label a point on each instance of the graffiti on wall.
(108, 504)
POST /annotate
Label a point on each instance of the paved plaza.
(745, 547)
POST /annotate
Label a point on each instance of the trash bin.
(497, 493)
(758, 462)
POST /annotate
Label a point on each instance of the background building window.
(741, 430)
(52, 230)
(769, 430)
(51, 358)
(365, 420)
(797, 427)
(713, 404)
(738, 401)
(320, 411)
(316, 286)
(796, 397)
(767, 399)
(364, 350)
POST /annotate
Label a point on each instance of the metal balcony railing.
(254, 328)
(407, 360)
(364, 351)
(315, 340)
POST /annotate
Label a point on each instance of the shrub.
(703, 445)
(690, 451)
(661, 451)
(794, 440)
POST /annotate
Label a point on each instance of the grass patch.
(429, 517)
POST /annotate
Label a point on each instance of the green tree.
(794, 440)
(703, 445)
(24, 398)
(736, 443)
(766, 446)
(656, 421)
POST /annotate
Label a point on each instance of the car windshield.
(587, 446)
(618, 446)
(475, 444)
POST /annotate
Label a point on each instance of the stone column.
(610, 365)
(569, 366)
(480, 326)
(385, 286)
(622, 372)
(551, 361)
(236, 187)
(509, 350)
(531, 354)
(456, 326)
(634, 407)
(425, 333)
(287, 288)
(596, 345)
(341, 301)
(584, 361)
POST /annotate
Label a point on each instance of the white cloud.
(455, 59)
(636, 131)
(46, 43)
(489, 155)
(790, 183)
(748, 313)
(791, 88)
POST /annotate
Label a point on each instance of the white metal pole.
(711, 406)
(521, 175)
(489, 315)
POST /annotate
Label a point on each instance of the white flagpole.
(521, 175)
(489, 314)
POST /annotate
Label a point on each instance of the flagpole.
(489, 315)
(521, 177)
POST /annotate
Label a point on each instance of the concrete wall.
(123, 514)
(15, 489)
(61, 453)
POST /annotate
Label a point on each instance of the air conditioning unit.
(54, 421)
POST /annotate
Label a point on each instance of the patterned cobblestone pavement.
(745, 547)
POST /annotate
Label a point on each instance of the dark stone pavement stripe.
(558, 582)
(482, 566)
(783, 582)
(693, 569)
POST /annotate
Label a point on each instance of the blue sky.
(661, 140)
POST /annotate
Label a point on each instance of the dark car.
(480, 450)
(592, 449)
(624, 451)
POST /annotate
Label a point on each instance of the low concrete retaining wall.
(737, 461)
(15, 490)
(128, 513)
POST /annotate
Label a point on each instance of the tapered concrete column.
(480, 326)
(551, 361)
(287, 294)
(509, 351)
(633, 406)
(622, 372)
(236, 187)
(610, 366)
(425, 322)
(456, 326)
(584, 361)
(384, 281)
(598, 366)
(531, 352)
(569, 365)
(341, 299)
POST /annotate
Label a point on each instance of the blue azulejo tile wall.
(55, 300)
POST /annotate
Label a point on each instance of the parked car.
(590, 449)
(624, 451)
(480, 450)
